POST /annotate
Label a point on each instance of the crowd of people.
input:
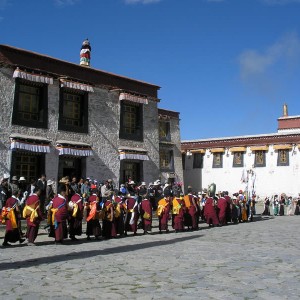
(111, 212)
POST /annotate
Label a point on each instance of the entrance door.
(69, 166)
(131, 170)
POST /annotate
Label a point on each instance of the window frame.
(214, 164)
(198, 164)
(43, 104)
(84, 107)
(166, 138)
(169, 168)
(287, 162)
(255, 159)
(236, 165)
(139, 134)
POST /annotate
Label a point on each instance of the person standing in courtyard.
(163, 213)
(33, 215)
(76, 216)
(131, 217)
(178, 209)
(210, 212)
(146, 214)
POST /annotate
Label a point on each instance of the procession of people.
(111, 213)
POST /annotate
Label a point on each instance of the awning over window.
(238, 149)
(133, 98)
(201, 151)
(29, 143)
(259, 148)
(133, 153)
(282, 147)
(217, 150)
(74, 148)
(32, 77)
(76, 85)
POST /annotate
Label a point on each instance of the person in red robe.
(163, 212)
(11, 217)
(109, 229)
(119, 211)
(60, 214)
(210, 213)
(131, 217)
(76, 216)
(93, 226)
(229, 207)
(146, 214)
(33, 215)
(191, 210)
(178, 208)
(222, 208)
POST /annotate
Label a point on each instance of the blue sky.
(226, 65)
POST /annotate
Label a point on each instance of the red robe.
(61, 216)
(222, 205)
(119, 220)
(210, 212)
(146, 213)
(93, 226)
(109, 229)
(33, 227)
(75, 225)
(178, 215)
(163, 218)
(131, 208)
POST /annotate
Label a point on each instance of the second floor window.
(30, 104)
(166, 159)
(238, 159)
(260, 158)
(73, 112)
(283, 157)
(164, 131)
(131, 124)
(218, 160)
(198, 161)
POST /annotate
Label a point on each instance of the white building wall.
(270, 180)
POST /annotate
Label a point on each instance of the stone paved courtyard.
(258, 260)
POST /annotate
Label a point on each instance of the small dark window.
(164, 131)
(131, 123)
(198, 161)
(218, 160)
(73, 111)
(283, 157)
(238, 159)
(30, 104)
(183, 156)
(166, 159)
(260, 158)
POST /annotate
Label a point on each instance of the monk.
(75, 216)
(222, 208)
(93, 226)
(109, 229)
(59, 212)
(11, 216)
(210, 212)
(131, 217)
(119, 214)
(146, 214)
(191, 210)
(33, 215)
(163, 213)
(178, 208)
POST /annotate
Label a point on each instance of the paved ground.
(258, 260)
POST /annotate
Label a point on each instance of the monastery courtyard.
(259, 260)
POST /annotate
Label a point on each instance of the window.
(198, 161)
(183, 156)
(164, 131)
(30, 104)
(29, 165)
(218, 160)
(73, 111)
(283, 157)
(166, 159)
(238, 159)
(131, 125)
(260, 158)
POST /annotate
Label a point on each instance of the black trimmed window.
(238, 159)
(260, 158)
(164, 131)
(73, 111)
(197, 161)
(131, 121)
(30, 104)
(166, 159)
(218, 160)
(283, 157)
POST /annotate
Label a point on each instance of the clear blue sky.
(226, 65)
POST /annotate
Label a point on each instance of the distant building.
(64, 119)
(271, 161)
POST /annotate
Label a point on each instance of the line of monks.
(119, 214)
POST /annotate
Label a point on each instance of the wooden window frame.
(84, 108)
(138, 134)
(215, 165)
(287, 154)
(260, 165)
(236, 165)
(170, 167)
(42, 105)
(166, 138)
